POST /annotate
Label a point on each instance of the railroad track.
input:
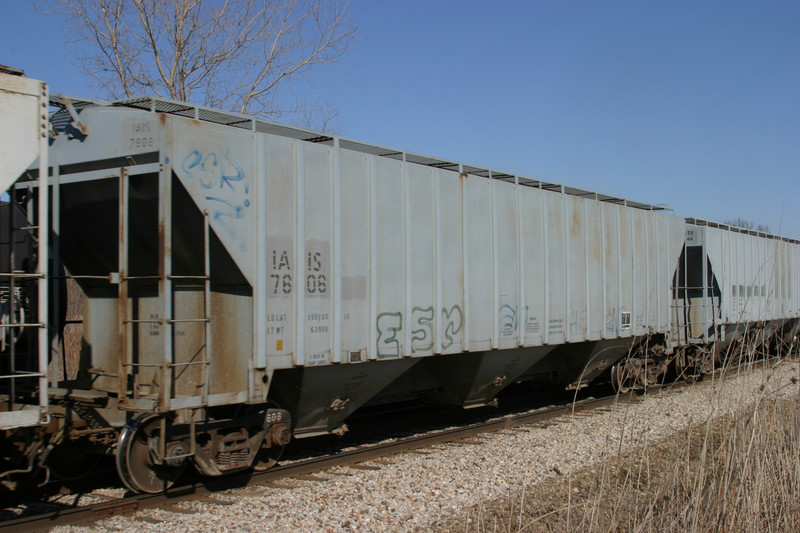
(303, 467)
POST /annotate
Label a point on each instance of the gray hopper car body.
(334, 266)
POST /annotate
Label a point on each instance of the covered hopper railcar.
(23, 233)
(241, 282)
(736, 292)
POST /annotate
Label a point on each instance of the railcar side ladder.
(20, 281)
(696, 298)
(166, 320)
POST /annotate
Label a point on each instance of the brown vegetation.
(737, 472)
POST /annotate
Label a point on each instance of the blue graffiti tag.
(195, 159)
(508, 318)
(233, 211)
(220, 172)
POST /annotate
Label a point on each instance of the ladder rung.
(22, 374)
(187, 277)
(190, 363)
(176, 321)
(21, 275)
(23, 325)
(168, 365)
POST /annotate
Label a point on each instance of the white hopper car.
(243, 282)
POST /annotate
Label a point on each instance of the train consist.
(197, 287)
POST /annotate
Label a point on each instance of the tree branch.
(240, 55)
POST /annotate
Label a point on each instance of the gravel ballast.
(424, 490)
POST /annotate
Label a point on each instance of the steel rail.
(131, 504)
(360, 454)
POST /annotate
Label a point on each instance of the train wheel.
(620, 379)
(266, 458)
(135, 457)
(686, 367)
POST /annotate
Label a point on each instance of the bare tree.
(240, 55)
(747, 224)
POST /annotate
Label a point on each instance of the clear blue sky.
(694, 104)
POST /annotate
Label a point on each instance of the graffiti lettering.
(388, 326)
(453, 321)
(613, 320)
(219, 172)
(577, 322)
(509, 319)
(422, 336)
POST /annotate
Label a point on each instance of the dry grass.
(737, 472)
